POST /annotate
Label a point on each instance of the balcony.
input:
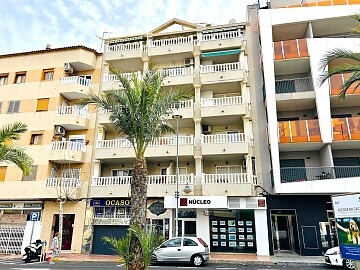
(289, 49)
(72, 117)
(63, 182)
(352, 95)
(325, 3)
(66, 187)
(75, 87)
(119, 218)
(216, 144)
(297, 131)
(225, 106)
(346, 129)
(158, 185)
(111, 82)
(123, 51)
(230, 39)
(222, 72)
(178, 75)
(172, 45)
(231, 184)
(67, 152)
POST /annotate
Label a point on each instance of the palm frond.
(12, 131)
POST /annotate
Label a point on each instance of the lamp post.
(176, 115)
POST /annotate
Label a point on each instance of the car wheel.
(197, 260)
(349, 264)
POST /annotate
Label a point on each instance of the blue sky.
(27, 25)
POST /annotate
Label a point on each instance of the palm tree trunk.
(138, 209)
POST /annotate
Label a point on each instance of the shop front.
(227, 224)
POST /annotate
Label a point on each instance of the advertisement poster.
(347, 216)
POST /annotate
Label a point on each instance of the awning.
(220, 53)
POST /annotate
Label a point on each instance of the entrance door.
(67, 232)
(187, 227)
(283, 232)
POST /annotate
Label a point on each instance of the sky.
(28, 25)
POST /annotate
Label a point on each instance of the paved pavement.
(283, 258)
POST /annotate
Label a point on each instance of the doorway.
(67, 232)
(187, 227)
(284, 231)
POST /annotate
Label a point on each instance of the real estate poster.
(347, 216)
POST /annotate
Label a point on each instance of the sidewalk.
(283, 258)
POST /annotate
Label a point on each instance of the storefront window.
(232, 231)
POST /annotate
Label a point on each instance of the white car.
(333, 257)
(182, 249)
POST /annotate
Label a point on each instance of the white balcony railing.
(73, 110)
(113, 143)
(68, 145)
(76, 80)
(152, 180)
(63, 182)
(112, 216)
(224, 101)
(172, 140)
(124, 47)
(170, 41)
(114, 77)
(223, 138)
(221, 67)
(228, 178)
(221, 35)
(178, 71)
(184, 104)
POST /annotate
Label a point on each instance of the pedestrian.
(54, 247)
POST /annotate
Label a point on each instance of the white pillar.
(261, 228)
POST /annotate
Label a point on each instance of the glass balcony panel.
(354, 124)
(290, 49)
(340, 129)
(314, 130)
(352, 88)
(335, 82)
(339, 2)
(324, 3)
(299, 131)
(303, 48)
(278, 50)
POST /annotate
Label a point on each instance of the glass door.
(187, 227)
(283, 227)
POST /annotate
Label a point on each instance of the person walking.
(54, 247)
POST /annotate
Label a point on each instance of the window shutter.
(2, 173)
(42, 104)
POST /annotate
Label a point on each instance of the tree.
(138, 112)
(12, 153)
(349, 63)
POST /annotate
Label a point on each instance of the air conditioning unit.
(188, 62)
(68, 68)
(59, 131)
(206, 129)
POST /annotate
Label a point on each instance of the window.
(172, 243)
(42, 104)
(189, 242)
(32, 176)
(36, 138)
(2, 173)
(48, 74)
(4, 79)
(20, 77)
(14, 106)
(0, 106)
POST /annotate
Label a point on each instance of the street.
(19, 265)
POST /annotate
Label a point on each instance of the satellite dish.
(232, 21)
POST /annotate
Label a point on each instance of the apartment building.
(218, 182)
(39, 88)
(313, 137)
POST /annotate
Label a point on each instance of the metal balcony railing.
(124, 47)
(300, 174)
(63, 182)
(171, 41)
(224, 101)
(223, 138)
(299, 131)
(221, 67)
(68, 145)
(222, 35)
(76, 80)
(73, 110)
(227, 178)
(294, 85)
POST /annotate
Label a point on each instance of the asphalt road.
(19, 265)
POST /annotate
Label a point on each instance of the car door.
(189, 248)
(170, 251)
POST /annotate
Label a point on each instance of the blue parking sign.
(34, 216)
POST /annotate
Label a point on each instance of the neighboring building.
(217, 148)
(313, 138)
(39, 88)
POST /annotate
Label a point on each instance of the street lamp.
(176, 115)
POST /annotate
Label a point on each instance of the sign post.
(347, 216)
(34, 216)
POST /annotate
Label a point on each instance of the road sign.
(34, 216)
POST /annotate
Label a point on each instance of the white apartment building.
(313, 138)
(216, 148)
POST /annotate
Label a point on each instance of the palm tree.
(138, 112)
(10, 152)
(350, 63)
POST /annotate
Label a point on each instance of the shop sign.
(6, 205)
(197, 202)
(157, 208)
(111, 202)
(13, 219)
(33, 205)
(347, 217)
